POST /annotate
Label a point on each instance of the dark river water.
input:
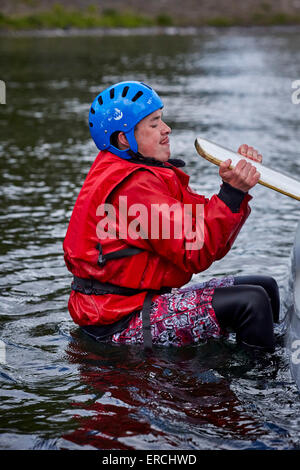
(59, 390)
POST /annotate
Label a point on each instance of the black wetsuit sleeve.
(231, 196)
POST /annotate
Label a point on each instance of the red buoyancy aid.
(163, 261)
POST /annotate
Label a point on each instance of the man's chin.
(162, 156)
(165, 157)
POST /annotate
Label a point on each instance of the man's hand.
(250, 152)
(244, 176)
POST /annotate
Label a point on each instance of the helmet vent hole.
(112, 93)
(100, 100)
(125, 90)
(92, 111)
(91, 124)
(137, 96)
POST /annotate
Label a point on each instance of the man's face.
(152, 136)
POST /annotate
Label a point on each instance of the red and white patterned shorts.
(184, 316)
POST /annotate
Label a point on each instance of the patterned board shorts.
(184, 316)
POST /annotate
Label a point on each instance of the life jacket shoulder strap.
(124, 252)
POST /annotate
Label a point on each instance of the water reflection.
(142, 403)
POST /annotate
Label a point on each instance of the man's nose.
(166, 129)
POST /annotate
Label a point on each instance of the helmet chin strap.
(130, 152)
(133, 145)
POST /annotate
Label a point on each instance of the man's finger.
(240, 165)
(243, 149)
(226, 164)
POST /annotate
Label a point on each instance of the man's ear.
(122, 141)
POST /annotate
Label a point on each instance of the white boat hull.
(292, 311)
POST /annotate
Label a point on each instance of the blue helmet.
(119, 108)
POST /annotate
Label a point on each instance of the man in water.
(129, 248)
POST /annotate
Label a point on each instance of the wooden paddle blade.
(272, 179)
